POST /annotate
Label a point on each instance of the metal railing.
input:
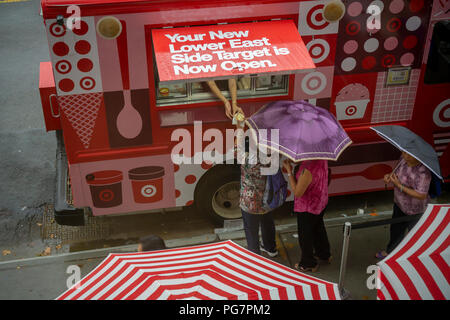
(347, 228)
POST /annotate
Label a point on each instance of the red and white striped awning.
(419, 268)
(217, 271)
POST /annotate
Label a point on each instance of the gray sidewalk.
(46, 277)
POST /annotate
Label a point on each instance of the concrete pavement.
(46, 277)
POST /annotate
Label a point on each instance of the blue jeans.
(252, 222)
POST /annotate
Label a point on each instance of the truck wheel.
(217, 193)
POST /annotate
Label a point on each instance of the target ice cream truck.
(125, 75)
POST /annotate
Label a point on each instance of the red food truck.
(127, 77)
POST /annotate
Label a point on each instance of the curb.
(233, 233)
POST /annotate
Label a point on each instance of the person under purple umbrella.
(310, 135)
(309, 183)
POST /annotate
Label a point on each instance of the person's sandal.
(381, 255)
(326, 261)
(298, 267)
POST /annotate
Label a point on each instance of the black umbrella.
(409, 142)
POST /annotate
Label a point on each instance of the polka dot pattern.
(368, 42)
(186, 178)
(371, 45)
(74, 56)
(390, 43)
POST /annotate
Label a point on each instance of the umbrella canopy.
(306, 132)
(419, 268)
(409, 142)
(217, 271)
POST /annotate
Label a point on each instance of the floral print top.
(253, 184)
(417, 178)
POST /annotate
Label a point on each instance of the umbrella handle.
(398, 164)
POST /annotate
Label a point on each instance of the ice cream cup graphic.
(147, 183)
(351, 102)
(106, 188)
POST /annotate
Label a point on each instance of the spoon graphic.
(129, 121)
(375, 172)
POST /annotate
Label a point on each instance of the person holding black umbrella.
(418, 167)
(411, 180)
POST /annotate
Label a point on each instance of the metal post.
(347, 231)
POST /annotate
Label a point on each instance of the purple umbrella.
(306, 132)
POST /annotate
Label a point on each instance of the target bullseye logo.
(353, 28)
(313, 83)
(350, 110)
(87, 83)
(106, 195)
(441, 115)
(388, 61)
(394, 24)
(63, 66)
(57, 30)
(315, 19)
(319, 49)
(148, 190)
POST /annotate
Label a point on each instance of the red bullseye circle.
(66, 85)
(388, 61)
(394, 25)
(442, 113)
(351, 110)
(369, 62)
(87, 83)
(85, 65)
(82, 30)
(315, 19)
(82, 47)
(57, 30)
(63, 66)
(313, 83)
(148, 191)
(316, 53)
(353, 28)
(60, 49)
(106, 195)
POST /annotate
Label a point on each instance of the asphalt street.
(27, 151)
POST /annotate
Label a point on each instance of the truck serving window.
(438, 64)
(197, 92)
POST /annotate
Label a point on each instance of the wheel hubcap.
(225, 201)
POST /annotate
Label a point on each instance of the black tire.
(217, 193)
